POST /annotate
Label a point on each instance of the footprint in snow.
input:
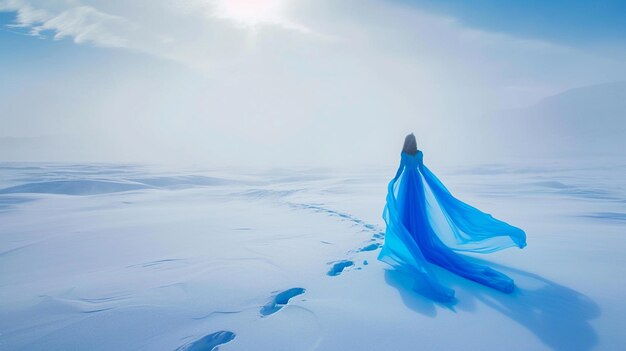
(279, 300)
(209, 342)
(338, 267)
(370, 247)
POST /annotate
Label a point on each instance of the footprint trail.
(373, 244)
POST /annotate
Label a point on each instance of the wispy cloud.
(84, 24)
(192, 32)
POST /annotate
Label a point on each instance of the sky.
(577, 23)
(276, 83)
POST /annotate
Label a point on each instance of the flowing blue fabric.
(427, 224)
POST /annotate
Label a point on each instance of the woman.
(425, 223)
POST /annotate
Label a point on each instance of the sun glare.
(251, 12)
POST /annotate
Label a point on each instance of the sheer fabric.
(427, 224)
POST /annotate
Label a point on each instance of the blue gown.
(426, 224)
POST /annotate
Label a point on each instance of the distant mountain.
(589, 121)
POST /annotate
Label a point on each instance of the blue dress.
(427, 225)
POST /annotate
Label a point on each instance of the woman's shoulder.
(419, 153)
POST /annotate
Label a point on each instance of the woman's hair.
(410, 145)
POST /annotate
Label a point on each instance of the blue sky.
(199, 79)
(570, 22)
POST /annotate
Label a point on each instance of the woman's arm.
(399, 172)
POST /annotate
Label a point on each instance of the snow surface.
(125, 257)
